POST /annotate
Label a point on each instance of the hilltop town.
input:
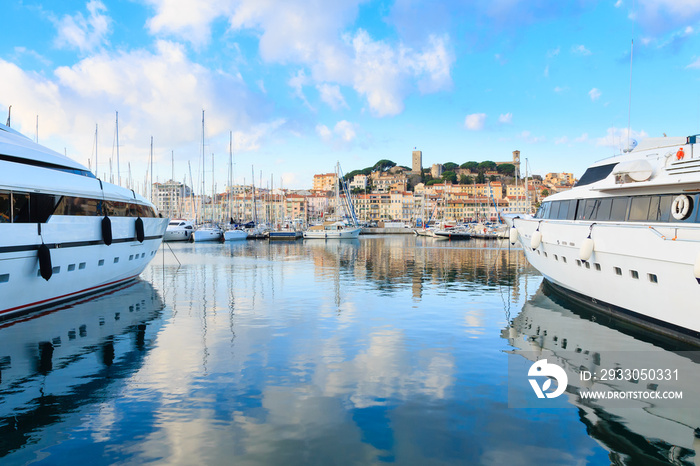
(384, 192)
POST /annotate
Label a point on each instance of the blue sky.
(305, 83)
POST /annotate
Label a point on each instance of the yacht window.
(639, 208)
(602, 212)
(20, 207)
(586, 209)
(594, 174)
(572, 209)
(563, 210)
(42, 206)
(664, 208)
(618, 211)
(554, 209)
(4, 207)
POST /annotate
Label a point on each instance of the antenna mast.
(629, 108)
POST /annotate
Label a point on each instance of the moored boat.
(453, 233)
(625, 239)
(332, 230)
(208, 232)
(178, 230)
(63, 232)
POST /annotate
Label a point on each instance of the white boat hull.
(80, 260)
(348, 233)
(235, 235)
(177, 235)
(640, 272)
(207, 234)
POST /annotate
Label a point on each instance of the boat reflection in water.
(54, 362)
(633, 431)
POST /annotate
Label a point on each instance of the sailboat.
(232, 233)
(210, 231)
(336, 229)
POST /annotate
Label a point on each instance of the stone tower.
(417, 166)
(516, 162)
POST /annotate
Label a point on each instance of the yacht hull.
(81, 263)
(349, 233)
(642, 273)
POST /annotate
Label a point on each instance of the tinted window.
(639, 209)
(4, 207)
(563, 210)
(618, 211)
(572, 209)
(603, 210)
(20, 208)
(554, 209)
(42, 206)
(594, 174)
(665, 208)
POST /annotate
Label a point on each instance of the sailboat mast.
(230, 171)
(150, 185)
(119, 176)
(203, 172)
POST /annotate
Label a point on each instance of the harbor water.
(385, 349)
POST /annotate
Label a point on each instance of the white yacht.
(178, 230)
(63, 232)
(235, 234)
(332, 230)
(626, 239)
(208, 232)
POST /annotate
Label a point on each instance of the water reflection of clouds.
(264, 362)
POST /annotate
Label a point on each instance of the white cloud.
(332, 96)
(475, 121)
(560, 89)
(553, 52)
(343, 133)
(617, 138)
(562, 140)
(695, 64)
(158, 94)
(315, 34)
(324, 132)
(84, 34)
(190, 21)
(529, 138)
(594, 94)
(297, 82)
(580, 50)
(582, 138)
(505, 118)
(546, 71)
(345, 130)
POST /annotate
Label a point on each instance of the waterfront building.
(359, 182)
(169, 196)
(325, 182)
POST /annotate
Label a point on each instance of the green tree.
(507, 169)
(450, 177)
(480, 178)
(544, 192)
(471, 166)
(432, 182)
(449, 166)
(487, 165)
(383, 165)
(463, 179)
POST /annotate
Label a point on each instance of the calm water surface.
(377, 350)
